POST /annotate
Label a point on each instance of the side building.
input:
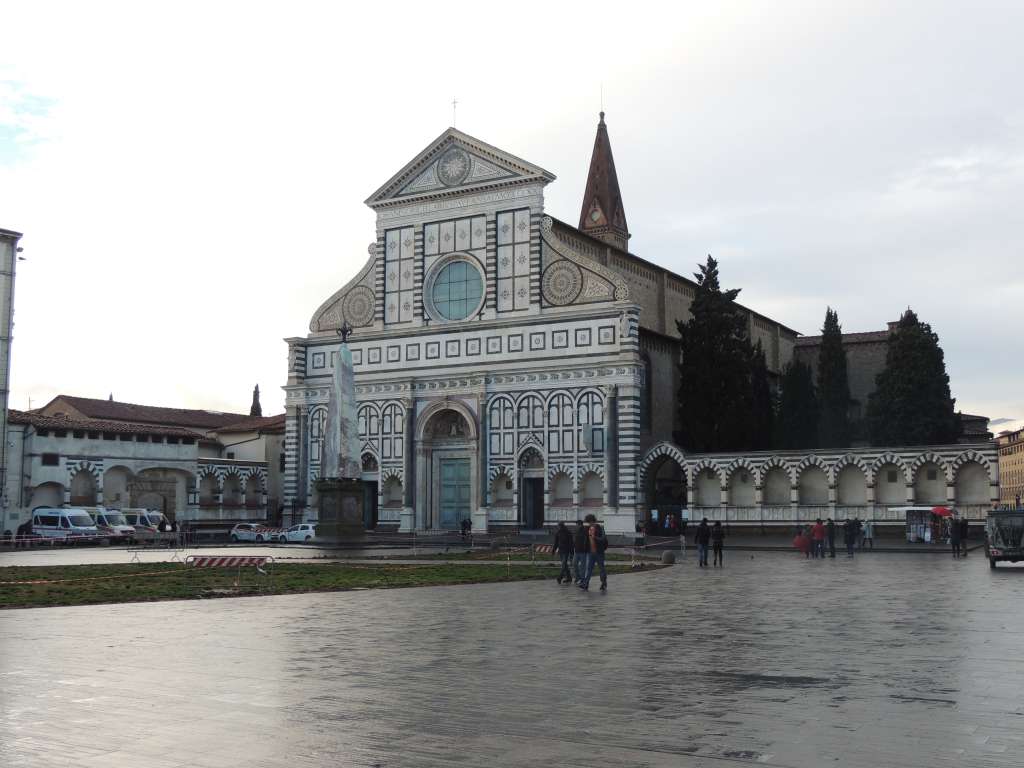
(8, 267)
(1011, 467)
(193, 465)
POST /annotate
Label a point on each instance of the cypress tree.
(762, 403)
(797, 421)
(833, 386)
(911, 404)
(715, 391)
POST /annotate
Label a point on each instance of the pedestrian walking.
(954, 537)
(598, 545)
(702, 539)
(579, 552)
(802, 542)
(964, 530)
(818, 535)
(717, 541)
(23, 534)
(563, 548)
(858, 532)
(830, 535)
(849, 536)
(869, 535)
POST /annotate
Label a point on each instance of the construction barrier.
(262, 565)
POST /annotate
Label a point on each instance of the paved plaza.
(896, 660)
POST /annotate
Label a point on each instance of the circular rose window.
(457, 291)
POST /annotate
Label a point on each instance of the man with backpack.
(597, 545)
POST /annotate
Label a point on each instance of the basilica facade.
(507, 364)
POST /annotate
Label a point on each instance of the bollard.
(668, 557)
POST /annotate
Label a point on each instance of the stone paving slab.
(894, 661)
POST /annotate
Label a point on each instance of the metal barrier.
(196, 562)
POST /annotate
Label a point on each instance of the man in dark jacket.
(830, 534)
(702, 539)
(849, 536)
(563, 548)
(963, 536)
(23, 534)
(954, 537)
(717, 542)
(579, 548)
(597, 544)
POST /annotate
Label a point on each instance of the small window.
(60, 433)
(126, 438)
(231, 454)
(78, 433)
(109, 436)
(172, 441)
(891, 476)
(51, 459)
(94, 435)
(187, 441)
(43, 432)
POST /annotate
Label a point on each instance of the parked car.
(304, 532)
(244, 532)
(144, 519)
(68, 523)
(112, 523)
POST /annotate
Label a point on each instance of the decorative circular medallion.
(453, 167)
(562, 282)
(358, 306)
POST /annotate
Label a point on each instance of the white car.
(304, 532)
(244, 532)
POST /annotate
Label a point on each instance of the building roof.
(42, 421)
(255, 424)
(848, 338)
(602, 212)
(113, 410)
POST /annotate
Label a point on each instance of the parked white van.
(143, 518)
(63, 523)
(111, 521)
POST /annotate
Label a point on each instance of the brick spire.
(602, 215)
(256, 409)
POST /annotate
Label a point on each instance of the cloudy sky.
(190, 177)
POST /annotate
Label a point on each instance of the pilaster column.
(407, 521)
(611, 445)
(479, 514)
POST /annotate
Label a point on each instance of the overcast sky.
(190, 177)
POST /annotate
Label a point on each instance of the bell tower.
(602, 214)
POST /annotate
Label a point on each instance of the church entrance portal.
(533, 502)
(455, 492)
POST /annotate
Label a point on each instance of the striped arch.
(530, 440)
(96, 470)
(889, 458)
(703, 464)
(774, 462)
(387, 473)
(967, 457)
(741, 463)
(656, 452)
(499, 469)
(595, 468)
(561, 469)
(849, 460)
(813, 461)
(930, 457)
(254, 473)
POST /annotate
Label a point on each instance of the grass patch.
(490, 555)
(95, 584)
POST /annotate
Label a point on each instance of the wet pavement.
(876, 661)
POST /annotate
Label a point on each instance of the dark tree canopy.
(833, 386)
(797, 420)
(715, 398)
(912, 404)
(762, 403)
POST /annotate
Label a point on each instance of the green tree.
(762, 403)
(797, 420)
(911, 404)
(833, 386)
(715, 391)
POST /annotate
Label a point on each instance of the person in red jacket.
(818, 535)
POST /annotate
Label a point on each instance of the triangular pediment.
(455, 163)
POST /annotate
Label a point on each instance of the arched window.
(501, 426)
(530, 414)
(560, 422)
(317, 423)
(590, 412)
(392, 431)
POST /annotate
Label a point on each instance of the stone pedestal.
(340, 510)
(408, 520)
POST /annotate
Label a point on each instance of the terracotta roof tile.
(41, 421)
(148, 414)
(254, 423)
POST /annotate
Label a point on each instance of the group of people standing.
(814, 539)
(958, 536)
(713, 535)
(584, 549)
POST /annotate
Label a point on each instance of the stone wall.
(865, 359)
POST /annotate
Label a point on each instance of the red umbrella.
(942, 511)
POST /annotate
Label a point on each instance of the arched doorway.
(446, 464)
(531, 489)
(666, 489)
(83, 489)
